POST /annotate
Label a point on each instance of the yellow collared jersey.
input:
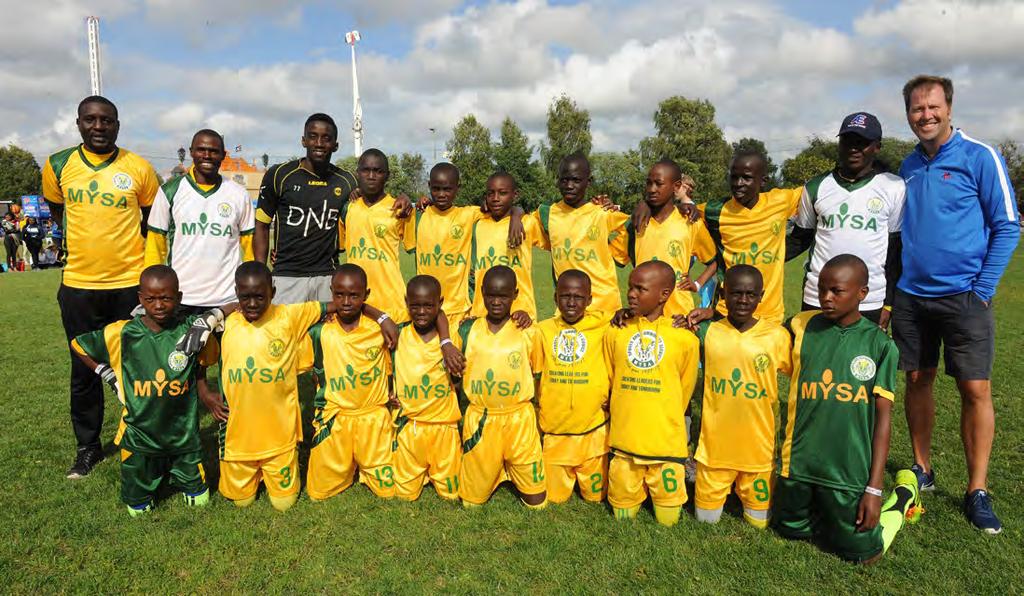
(755, 236)
(575, 374)
(498, 373)
(102, 197)
(351, 367)
(591, 239)
(654, 370)
(258, 368)
(490, 248)
(741, 394)
(371, 236)
(421, 380)
(673, 241)
(444, 250)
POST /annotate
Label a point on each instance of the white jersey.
(203, 230)
(851, 218)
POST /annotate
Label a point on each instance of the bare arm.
(870, 507)
(261, 241)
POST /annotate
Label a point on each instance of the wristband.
(697, 283)
(887, 307)
(873, 491)
(99, 368)
(383, 317)
(447, 342)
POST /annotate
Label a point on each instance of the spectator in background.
(12, 240)
(57, 234)
(34, 234)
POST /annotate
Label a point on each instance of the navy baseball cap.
(863, 124)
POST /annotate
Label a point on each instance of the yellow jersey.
(498, 373)
(490, 248)
(755, 236)
(351, 367)
(575, 375)
(444, 250)
(421, 380)
(654, 370)
(102, 196)
(371, 236)
(741, 394)
(673, 241)
(258, 369)
(591, 239)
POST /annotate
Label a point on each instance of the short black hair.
(321, 117)
(664, 270)
(209, 132)
(374, 152)
(499, 272)
(673, 167)
(744, 270)
(428, 282)
(352, 269)
(745, 152)
(574, 274)
(158, 273)
(96, 99)
(504, 174)
(254, 269)
(575, 156)
(848, 261)
(445, 166)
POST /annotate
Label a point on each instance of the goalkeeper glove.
(198, 334)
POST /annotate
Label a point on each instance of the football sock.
(538, 506)
(667, 516)
(756, 517)
(468, 505)
(137, 510)
(197, 499)
(629, 513)
(894, 511)
(283, 503)
(245, 502)
(708, 516)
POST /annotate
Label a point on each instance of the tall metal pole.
(352, 37)
(92, 25)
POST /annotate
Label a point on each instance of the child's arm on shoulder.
(388, 328)
(454, 361)
(870, 507)
(199, 333)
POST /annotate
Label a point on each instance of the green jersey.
(829, 418)
(158, 383)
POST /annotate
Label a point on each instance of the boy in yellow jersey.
(261, 350)
(742, 357)
(583, 235)
(750, 229)
(444, 240)
(351, 423)
(572, 392)
(499, 432)
(490, 248)
(371, 235)
(427, 444)
(100, 195)
(654, 370)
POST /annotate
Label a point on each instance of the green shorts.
(141, 475)
(803, 510)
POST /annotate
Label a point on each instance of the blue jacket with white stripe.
(960, 224)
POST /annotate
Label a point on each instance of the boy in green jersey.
(836, 425)
(160, 388)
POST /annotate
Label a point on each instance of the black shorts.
(962, 323)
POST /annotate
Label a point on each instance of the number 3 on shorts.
(668, 480)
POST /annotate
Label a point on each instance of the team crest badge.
(380, 230)
(372, 352)
(569, 346)
(863, 368)
(456, 231)
(276, 348)
(593, 233)
(675, 249)
(875, 205)
(762, 362)
(776, 228)
(122, 181)
(645, 349)
(224, 210)
(515, 360)
(177, 361)
(337, 191)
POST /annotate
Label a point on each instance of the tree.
(19, 172)
(348, 163)
(513, 155)
(771, 168)
(1013, 153)
(687, 133)
(619, 176)
(819, 156)
(470, 150)
(893, 152)
(406, 175)
(568, 133)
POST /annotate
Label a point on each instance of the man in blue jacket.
(960, 229)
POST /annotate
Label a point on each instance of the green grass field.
(77, 537)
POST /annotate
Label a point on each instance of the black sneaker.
(978, 509)
(85, 461)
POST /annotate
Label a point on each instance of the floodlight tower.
(352, 37)
(92, 25)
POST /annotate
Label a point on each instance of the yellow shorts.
(569, 459)
(499, 447)
(631, 479)
(240, 479)
(348, 441)
(427, 451)
(713, 484)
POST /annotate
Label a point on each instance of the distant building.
(244, 173)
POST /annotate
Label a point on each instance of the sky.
(777, 70)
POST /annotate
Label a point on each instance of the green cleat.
(139, 509)
(908, 480)
(198, 499)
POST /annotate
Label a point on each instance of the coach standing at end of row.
(960, 229)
